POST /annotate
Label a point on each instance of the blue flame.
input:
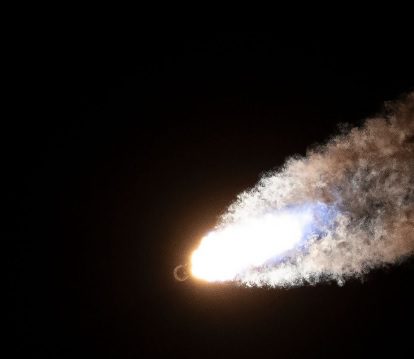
(318, 219)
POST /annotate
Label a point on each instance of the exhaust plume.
(344, 209)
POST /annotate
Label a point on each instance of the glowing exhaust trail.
(344, 209)
(253, 242)
(243, 245)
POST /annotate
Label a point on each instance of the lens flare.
(225, 253)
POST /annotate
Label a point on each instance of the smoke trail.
(367, 176)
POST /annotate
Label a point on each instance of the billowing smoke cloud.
(367, 176)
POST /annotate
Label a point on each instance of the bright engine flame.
(225, 253)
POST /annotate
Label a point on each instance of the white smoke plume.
(367, 175)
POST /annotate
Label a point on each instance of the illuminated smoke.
(345, 208)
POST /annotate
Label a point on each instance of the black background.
(127, 151)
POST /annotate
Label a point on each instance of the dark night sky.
(132, 149)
